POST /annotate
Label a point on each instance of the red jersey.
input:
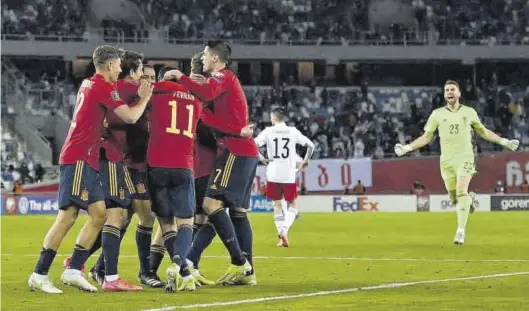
(137, 140)
(95, 97)
(204, 161)
(173, 119)
(116, 144)
(230, 105)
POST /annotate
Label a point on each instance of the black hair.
(280, 113)
(89, 70)
(220, 48)
(165, 69)
(131, 62)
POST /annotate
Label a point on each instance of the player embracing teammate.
(100, 183)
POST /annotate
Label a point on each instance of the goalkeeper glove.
(196, 63)
(402, 149)
(512, 144)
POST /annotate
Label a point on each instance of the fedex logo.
(358, 204)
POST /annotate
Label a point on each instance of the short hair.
(89, 70)
(105, 53)
(280, 113)
(451, 82)
(149, 66)
(162, 71)
(220, 48)
(131, 61)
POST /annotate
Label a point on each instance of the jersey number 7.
(174, 115)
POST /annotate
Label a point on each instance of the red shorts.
(277, 191)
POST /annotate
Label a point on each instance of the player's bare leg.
(73, 275)
(226, 231)
(279, 219)
(201, 240)
(111, 241)
(464, 202)
(143, 242)
(39, 278)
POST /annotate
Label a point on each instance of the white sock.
(463, 208)
(111, 278)
(284, 206)
(289, 219)
(279, 219)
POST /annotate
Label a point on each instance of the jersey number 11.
(174, 115)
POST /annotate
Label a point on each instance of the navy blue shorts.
(231, 180)
(172, 192)
(79, 185)
(140, 182)
(201, 185)
(117, 184)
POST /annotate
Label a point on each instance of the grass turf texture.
(380, 243)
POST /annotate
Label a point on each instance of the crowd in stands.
(18, 166)
(284, 21)
(346, 122)
(367, 122)
(38, 17)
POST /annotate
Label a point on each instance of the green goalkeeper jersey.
(455, 131)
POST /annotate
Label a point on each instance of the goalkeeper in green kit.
(455, 123)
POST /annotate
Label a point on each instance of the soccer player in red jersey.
(80, 183)
(235, 168)
(173, 119)
(117, 181)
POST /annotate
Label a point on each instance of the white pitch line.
(322, 258)
(333, 292)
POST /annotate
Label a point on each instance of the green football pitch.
(337, 261)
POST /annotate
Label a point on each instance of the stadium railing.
(360, 38)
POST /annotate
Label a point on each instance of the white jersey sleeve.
(302, 139)
(261, 139)
(281, 141)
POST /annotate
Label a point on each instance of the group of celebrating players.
(181, 150)
(132, 142)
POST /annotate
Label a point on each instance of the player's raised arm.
(214, 59)
(213, 88)
(429, 129)
(489, 135)
(131, 114)
(212, 121)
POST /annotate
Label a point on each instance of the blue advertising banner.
(260, 204)
(37, 204)
(1, 205)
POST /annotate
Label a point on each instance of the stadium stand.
(278, 22)
(343, 121)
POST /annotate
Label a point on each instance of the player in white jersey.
(281, 140)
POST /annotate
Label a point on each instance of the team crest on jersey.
(115, 95)
(84, 195)
(140, 187)
(121, 194)
(464, 119)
